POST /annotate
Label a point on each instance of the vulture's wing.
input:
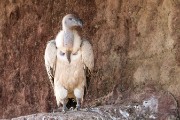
(50, 60)
(88, 60)
(87, 55)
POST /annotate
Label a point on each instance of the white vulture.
(66, 60)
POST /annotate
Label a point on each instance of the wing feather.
(50, 60)
(88, 60)
(87, 54)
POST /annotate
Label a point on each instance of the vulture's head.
(70, 21)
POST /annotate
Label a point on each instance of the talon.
(63, 111)
(77, 108)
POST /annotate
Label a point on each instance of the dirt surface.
(136, 45)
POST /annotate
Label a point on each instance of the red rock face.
(135, 43)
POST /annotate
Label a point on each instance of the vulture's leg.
(61, 96)
(78, 105)
(79, 92)
(64, 108)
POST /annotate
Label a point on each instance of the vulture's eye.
(70, 18)
(61, 53)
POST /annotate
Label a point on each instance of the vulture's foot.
(78, 105)
(64, 109)
(77, 108)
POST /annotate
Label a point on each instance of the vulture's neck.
(68, 38)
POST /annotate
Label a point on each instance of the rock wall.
(136, 44)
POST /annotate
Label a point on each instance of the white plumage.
(66, 59)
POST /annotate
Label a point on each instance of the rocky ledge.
(146, 105)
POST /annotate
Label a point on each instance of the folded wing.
(50, 60)
(87, 54)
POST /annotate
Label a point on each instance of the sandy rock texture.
(136, 46)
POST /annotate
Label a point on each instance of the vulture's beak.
(68, 55)
(80, 22)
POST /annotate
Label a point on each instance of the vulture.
(67, 58)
